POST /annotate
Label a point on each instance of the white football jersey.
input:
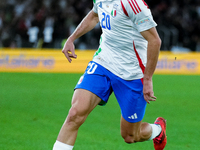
(122, 49)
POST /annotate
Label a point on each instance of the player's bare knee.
(131, 138)
(74, 118)
(128, 138)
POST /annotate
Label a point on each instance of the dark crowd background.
(47, 23)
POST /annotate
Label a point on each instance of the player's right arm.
(87, 24)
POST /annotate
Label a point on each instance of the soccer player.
(124, 64)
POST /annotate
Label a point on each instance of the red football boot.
(161, 140)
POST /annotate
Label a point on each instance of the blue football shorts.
(129, 93)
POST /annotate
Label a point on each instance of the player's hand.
(148, 90)
(69, 51)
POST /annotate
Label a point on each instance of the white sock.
(156, 129)
(62, 146)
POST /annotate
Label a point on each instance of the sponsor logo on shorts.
(134, 116)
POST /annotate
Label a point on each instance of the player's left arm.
(153, 49)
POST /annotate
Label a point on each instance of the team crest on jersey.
(114, 10)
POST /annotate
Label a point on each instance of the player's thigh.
(84, 101)
(128, 128)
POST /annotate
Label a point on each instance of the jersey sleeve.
(94, 6)
(139, 13)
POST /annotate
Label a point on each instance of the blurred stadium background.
(45, 23)
(36, 81)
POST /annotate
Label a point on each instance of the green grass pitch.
(33, 107)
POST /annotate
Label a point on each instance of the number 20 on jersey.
(105, 22)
